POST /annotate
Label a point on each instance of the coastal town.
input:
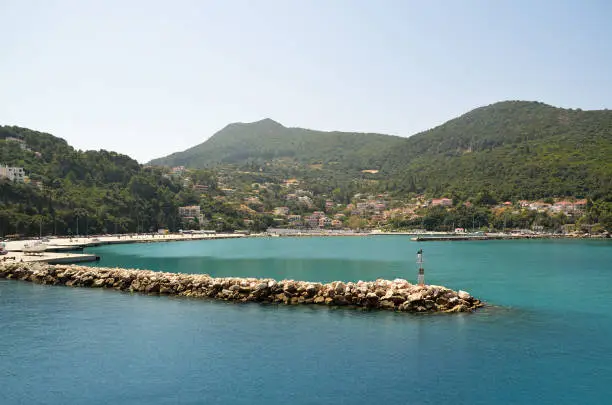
(234, 200)
(290, 204)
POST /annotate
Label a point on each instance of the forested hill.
(267, 140)
(513, 149)
(107, 191)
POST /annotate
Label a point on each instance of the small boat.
(33, 248)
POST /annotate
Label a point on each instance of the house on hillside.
(294, 220)
(16, 174)
(443, 202)
(569, 207)
(539, 206)
(580, 205)
(325, 222)
(200, 188)
(312, 221)
(290, 182)
(190, 213)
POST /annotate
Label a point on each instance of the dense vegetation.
(80, 192)
(511, 149)
(597, 218)
(265, 141)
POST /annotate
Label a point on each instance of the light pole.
(421, 273)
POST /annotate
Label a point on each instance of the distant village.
(291, 203)
(296, 207)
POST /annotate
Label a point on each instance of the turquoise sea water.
(545, 338)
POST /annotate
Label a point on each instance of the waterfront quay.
(63, 250)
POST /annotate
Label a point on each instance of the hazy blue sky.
(148, 78)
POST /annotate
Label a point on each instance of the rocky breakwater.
(396, 295)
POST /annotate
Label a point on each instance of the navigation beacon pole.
(421, 275)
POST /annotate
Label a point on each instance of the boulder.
(458, 308)
(340, 287)
(311, 290)
(387, 304)
(99, 283)
(463, 295)
(340, 300)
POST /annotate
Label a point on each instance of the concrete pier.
(78, 243)
(49, 257)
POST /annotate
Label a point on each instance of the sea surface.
(544, 338)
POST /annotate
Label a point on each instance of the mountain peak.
(265, 124)
(268, 122)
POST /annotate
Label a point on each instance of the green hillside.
(511, 149)
(505, 151)
(100, 191)
(267, 140)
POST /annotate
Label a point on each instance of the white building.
(190, 211)
(16, 174)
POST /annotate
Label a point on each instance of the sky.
(148, 78)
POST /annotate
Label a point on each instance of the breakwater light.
(421, 272)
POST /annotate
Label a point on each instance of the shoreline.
(398, 295)
(62, 249)
(57, 244)
(76, 243)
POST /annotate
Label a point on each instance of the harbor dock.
(50, 257)
(64, 250)
(489, 236)
(459, 237)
